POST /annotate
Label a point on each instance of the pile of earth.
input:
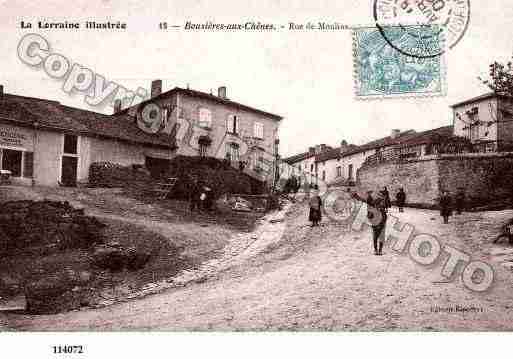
(54, 254)
(45, 227)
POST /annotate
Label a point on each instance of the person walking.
(369, 200)
(386, 198)
(378, 223)
(207, 198)
(460, 201)
(377, 215)
(315, 214)
(445, 206)
(400, 199)
(193, 194)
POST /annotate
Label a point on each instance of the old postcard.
(255, 166)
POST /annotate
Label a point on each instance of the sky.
(304, 76)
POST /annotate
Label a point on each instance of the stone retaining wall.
(485, 178)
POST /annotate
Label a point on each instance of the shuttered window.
(232, 124)
(28, 164)
(258, 130)
(205, 118)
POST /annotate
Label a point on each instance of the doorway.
(11, 160)
(158, 167)
(69, 171)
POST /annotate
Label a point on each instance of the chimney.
(156, 88)
(343, 145)
(221, 92)
(395, 133)
(1, 92)
(311, 150)
(318, 149)
(117, 105)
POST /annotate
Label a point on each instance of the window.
(204, 143)
(350, 169)
(70, 144)
(339, 171)
(232, 151)
(324, 175)
(28, 164)
(474, 132)
(11, 161)
(203, 149)
(258, 129)
(232, 124)
(311, 168)
(259, 162)
(299, 168)
(165, 117)
(205, 118)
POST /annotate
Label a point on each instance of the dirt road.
(320, 279)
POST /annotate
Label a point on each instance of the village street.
(321, 279)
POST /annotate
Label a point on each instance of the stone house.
(332, 166)
(305, 164)
(211, 125)
(487, 121)
(340, 165)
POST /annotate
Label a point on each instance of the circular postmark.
(433, 25)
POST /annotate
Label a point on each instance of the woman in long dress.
(315, 214)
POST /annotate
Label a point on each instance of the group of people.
(379, 205)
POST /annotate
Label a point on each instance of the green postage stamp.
(398, 61)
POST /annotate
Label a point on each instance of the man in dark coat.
(460, 201)
(386, 197)
(445, 206)
(369, 200)
(378, 223)
(377, 215)
(194, 190)
(315, 214)
(400, 199)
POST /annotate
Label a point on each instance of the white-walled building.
(304, 165)
(340, 164)
(485, 120)
(43, 142)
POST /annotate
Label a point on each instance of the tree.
(500, 78)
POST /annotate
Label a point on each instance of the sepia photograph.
(217, 167)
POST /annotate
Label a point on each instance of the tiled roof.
(429, 136)
(382, 142)
(480, 98)
(303, 156)
(52, 115)
(298, 158)
(328, 155)
(204, 95)
(334, 154)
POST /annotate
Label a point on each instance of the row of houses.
(479, 125)
(44, 142)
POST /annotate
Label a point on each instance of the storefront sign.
(13, 137)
